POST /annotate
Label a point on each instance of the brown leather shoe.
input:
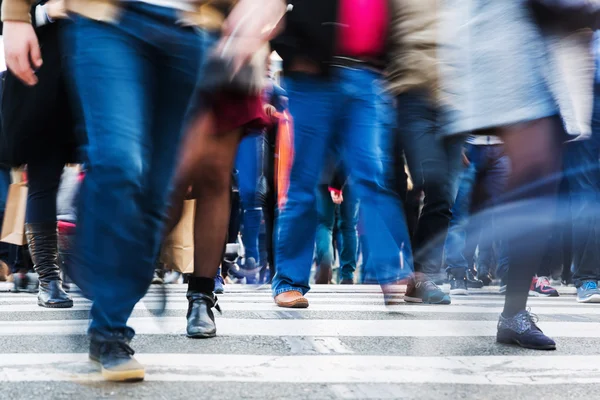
(4, 272)
(323, 275)
(291, 299)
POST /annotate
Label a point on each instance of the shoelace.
(118, 349)
(429, 285)
(543, 282)
(590, 286)
(533, 318)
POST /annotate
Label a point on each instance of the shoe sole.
(513, 342)
(202, 335)
(66, 304)
(595, 298)
(299, 303)
(135, 375)
(417, 300)
(533, 293)
(459, 292)
(219, 291)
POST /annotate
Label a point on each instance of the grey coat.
(498, 67)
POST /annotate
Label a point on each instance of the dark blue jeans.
(249, 161)
(481, 184)
(348, 109)
(582, 170)
(135, 79)
(435, 165)
(347, 239)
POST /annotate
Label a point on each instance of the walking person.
(41, 131)
(501, 77)
(134, 89)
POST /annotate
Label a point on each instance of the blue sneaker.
(588, 292)
(521, 330)
(219, 283)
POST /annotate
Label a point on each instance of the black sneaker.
(485, 278)
(521, 330)
(425, 292)
(472, 281)
(116, 359)
(458, 286)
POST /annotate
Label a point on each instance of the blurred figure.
(338, 208)
(504, 74)
(227, 105)
(482, 184)
(40, 130)
(332, 73)
(434, 162)
(582, 168)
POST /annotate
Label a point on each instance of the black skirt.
(40, 121)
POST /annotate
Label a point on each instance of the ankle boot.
(200, 317)
(43, 246)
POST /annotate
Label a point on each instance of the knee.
(212, 178)
(119, 169)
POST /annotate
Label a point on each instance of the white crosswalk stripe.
(345, 340)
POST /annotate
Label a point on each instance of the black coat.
(310, 32)
(40, 121)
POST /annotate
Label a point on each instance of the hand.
(252, 23)
(56, 9)
(336, 197)
(465, 159)
(271, 112)
(22, 51)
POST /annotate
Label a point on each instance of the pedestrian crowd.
(410, 144)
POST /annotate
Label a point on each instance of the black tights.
(530, 203)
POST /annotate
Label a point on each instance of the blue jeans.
(248, 163)
(481, 183)
(347, 110)
(347, 240)
(582, 170)
(135, 79)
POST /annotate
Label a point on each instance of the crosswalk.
(346, 345)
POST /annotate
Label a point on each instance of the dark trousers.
(434, 165)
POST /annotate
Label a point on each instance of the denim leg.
(583, 172)
(435, 165)
(134, 89)
(324, 239)
(311, 100)
(247, 164)
(454, 248)
(348, 246)
(367, 136)
(494, 183)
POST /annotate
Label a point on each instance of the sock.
(201, 285)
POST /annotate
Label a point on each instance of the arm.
(21, 47)
(253, 23)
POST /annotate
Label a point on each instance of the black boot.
(200, 318)
(42, 239)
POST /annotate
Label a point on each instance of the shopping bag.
(284, 157)
(178, 249)
(13, 226)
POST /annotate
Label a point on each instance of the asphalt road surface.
(347, 345)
